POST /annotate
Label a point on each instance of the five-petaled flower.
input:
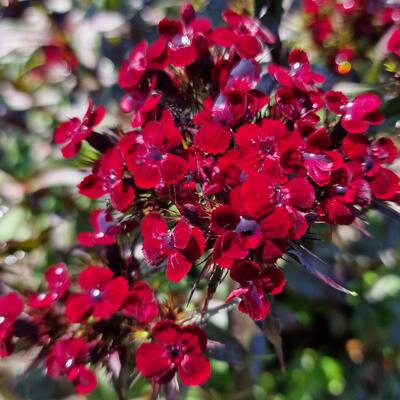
(174, 349)
(182, 246)
(67, 358)
(57, 281)
(72, 132)
(255, 284)
(108, 178)
(102, 297)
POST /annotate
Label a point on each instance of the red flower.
(174, 349)
(261, 147)
(181, 39)
(357, 114)
(102, 297)
(58, 282)
(238, 235)
(244, 33)
(255, 283)
(140, 303)
(71, 133)
(299, 75)
(182, 246)
(108, 178)
(384, 182)
(104, 230)
(346, 191)
(11, 307)
(148, 155)
(67, 358)
(393, 44)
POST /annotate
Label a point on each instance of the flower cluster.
(336, 27)
(214, 171)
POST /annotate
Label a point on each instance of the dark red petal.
(140, 303)
(92, 186)
(385, 184)
(78, 308)
(393, 44)
(66, 130)
(248, 46)
(301, 193)
(11, 306)
(245, 271)
(166, 332)
(183, 56)
(181, 234)
(355, 146)
(177, 267)
(213, 138)
(334, 100)
(255, 305)
(276, 225)
(153, 225)
(122, 196)
(112, 164)
(147, 176)
(246, 134)
(340, 213)
(273, 249)
(224, 218)
(153, 134)
(153, 362)
(273, 280)
(173, 169)
(94, 278)
(70, 149)
(353, 125)
(86, 381)
(194, 370)
(224, 37)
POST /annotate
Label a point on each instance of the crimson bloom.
(261, 147)
(238, 235)
(148, 154)
(11, 307)
(255, 283)
(58, 282)
(140, 303)
(71, 133)
(244, 33)
(182, 38)
(108, 178)
(182, 246)
(370, 156)
(357, 114)
(174, 349)
(67, 358)
(299, 75)
(346, 191)
(103, 295)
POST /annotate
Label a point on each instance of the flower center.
(95, 294)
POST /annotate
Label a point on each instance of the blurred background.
(322, 344)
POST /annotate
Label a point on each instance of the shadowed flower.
(174, 349)
(67, 358)
(255, 283)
